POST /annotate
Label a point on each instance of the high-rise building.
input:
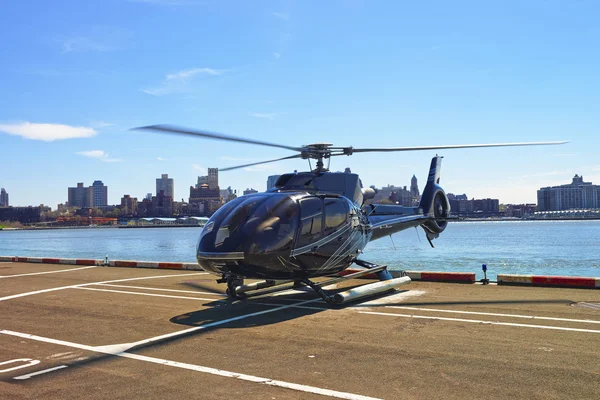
(98, 194)
(129, 205)
(576, 195)
(414, 188)
(165, 184)
(212, 179)
(271, 180)
(3, 198)
(79, 196)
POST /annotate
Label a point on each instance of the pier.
(94, 331)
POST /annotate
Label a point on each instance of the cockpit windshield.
(270, 220)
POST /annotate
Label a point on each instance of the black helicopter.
(312, 224)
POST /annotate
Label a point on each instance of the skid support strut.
(386, 284)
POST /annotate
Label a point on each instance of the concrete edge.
(50, 260)
(428, 276)
(554, 281)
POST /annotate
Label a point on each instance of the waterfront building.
(393, 194)
(576, 195)
(476, 208)
(78, 196)
(160, 205)
(414, 191)
(518, 210)
(212, 179)
(165, 184)
(98, 195)
(24, 215)
(271, 180)
(203, 200)
(129, 205)
(3, 198)
(250, 191)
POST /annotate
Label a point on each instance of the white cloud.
(269, 116)
(277, 55)
(95, 38)
(281, 15)
(83, 44)
(188, 73)
(98, 155)
(178, 82)
(161, 159)
(47, 132)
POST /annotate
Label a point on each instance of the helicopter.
(313, 224)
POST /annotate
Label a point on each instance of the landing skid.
(386, 284)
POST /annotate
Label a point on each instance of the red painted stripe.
(85, 262)
(21, 259)
(125, 263)
(168, 265)
(564, 281)
(448, 276)
(50, 260)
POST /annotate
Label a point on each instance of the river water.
(515, 247)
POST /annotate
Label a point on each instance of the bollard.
(485, 280)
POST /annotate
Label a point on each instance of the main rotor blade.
(456, 146)
(260, 162)
(211, 135)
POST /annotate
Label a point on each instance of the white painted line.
(29, 362)
(251, 378)
(147, 294)
(475, 321)
(588, 321)
(48, 272)
(220, 322)
(198, 368)
(164, 290)
(27, 376)
(15, 296)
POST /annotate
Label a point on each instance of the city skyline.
(295, 73)
(86, 196)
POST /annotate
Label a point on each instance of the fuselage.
(283, 235)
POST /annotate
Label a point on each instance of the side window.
(336, 214)
(311, 216)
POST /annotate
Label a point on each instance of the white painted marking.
(198, 368)
(475, 321)
(14, 296)
(250, 378)
(27, 376)
(48, 272)
(220, 322)
(590, 321)
(29, 362)
(147, 294)
(164, 290)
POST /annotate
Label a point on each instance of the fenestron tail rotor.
(320, 151)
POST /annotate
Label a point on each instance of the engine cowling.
(440, 208)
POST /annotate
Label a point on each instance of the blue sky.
(76, 76)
